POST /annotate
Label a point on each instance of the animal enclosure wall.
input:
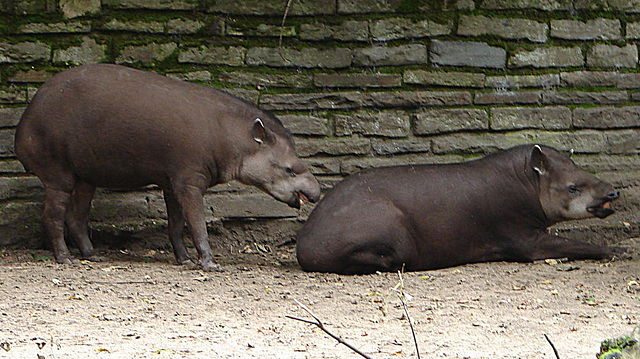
(360, 83)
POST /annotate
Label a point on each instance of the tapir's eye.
(573, 189)
(290, 171)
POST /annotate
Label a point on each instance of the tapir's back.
(118, 127)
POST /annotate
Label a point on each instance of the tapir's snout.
(602, 208)
(309, 191)
(613, 195)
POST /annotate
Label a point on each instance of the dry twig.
(284, 18)
(320, 325)
(401, 296)
(555, 351)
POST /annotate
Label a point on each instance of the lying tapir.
(434, 216)
(116, 127)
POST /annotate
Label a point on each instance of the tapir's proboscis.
(422, 217)
(115, 127)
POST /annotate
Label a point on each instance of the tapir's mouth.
(602, 210)
(298, 200)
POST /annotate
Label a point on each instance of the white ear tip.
(538, 147)
(258, 120)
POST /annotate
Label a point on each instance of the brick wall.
(360, 83)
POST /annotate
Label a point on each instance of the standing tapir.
(433, 216)
(116, 127)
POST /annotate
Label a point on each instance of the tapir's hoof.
(96, 258)
(68, 260)
(189, 263)
(210, 266)
(620, 253)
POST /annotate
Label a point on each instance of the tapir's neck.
(517, 172)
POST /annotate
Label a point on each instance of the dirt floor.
(140, 305)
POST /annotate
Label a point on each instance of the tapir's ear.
(539, 161)
(260, 133)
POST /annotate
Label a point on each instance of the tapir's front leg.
(190, 198)
(549, 246)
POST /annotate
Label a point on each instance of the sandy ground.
(141, 305)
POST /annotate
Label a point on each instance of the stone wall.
(360, 83)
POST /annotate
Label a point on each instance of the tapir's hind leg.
(55, 208)
(360, 238)
(77, 218)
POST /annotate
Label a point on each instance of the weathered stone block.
(508, 28)
(514, 82)
(633, 30)
(76, 8)
(366, 6)
(607, 117)
(231, 56)
(623, 141)
(247, 206)
(580, 97)
(127, 205)
(357, 80)
(546, 118)
(474, 54)
(628, 81)
(586, 141)
(251, 96)
(613, 56)
(608, 5)
(24, 52)
(27, 7)
(28, 187)
(153, 4)
(72, 27)
(549, 5)
(476, 143)
(6, 143)
(346, 31)
(416, 99)
(21, 224)
(306, 58)
(313, 101)
(306, 125)
(589, 78)
(13, 95)
(368, 123)
(135, 26)
(146, 54)
(323, 165)
(508, 98)
(10, 117)
(184, 26)
(597, 29)
(334, 147)
(30, 76)
(12, 167)
(259, 79)
(402, 28)
(261, 30)
(88, 52)
(450, 120)
(275, 7)
(439, 78)
(413, 54)
(200, 76)
(385, 147)
(548, 57)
